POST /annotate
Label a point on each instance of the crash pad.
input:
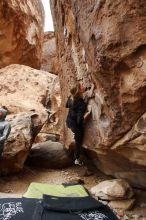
(36, 190)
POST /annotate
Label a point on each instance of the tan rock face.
(25, 92)
(104, 42)
(53, 125)
(116, 189)
(25, 89)
(21, 32)
(50, 60)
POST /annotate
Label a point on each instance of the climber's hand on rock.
(86, 115)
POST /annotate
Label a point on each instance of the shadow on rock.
(50, 155)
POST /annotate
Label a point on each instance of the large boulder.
(116, 192)
(21, 32)
(103, 42)
(24, 89)
(49, 155)
(26, 93)
(17, 147)
(112, 190)
(49, 57)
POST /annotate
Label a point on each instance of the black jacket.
(72, 208)
(77, 109)
(54, 208)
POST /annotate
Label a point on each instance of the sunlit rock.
(21, 32)
(103, 42)
(112, 190)
(25, 92)
(25, 89)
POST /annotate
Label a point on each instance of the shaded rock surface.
(18, 144)
(21, 25)
(103, 42)
(49, 55)
(53, 126)
(49, 155)
(122, 204)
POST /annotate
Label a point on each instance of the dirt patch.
(19, 183)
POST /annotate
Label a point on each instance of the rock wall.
(21, 32)
(103, 42)
(49, 57)
(53, 126)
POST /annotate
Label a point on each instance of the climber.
(5, 129)
(77, 114)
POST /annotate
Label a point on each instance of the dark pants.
(78, 136)
(1, 149)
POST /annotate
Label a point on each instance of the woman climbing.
(76, 116)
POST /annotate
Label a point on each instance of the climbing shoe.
(78, 162)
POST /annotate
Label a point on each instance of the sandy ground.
(18, 184)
